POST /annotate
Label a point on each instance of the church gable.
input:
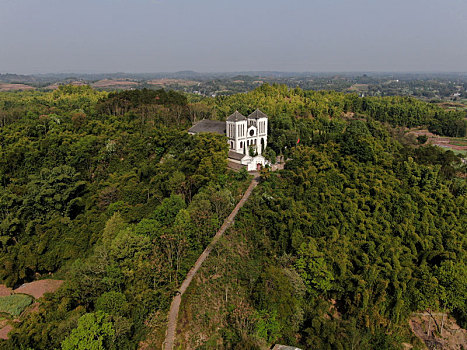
(235, 117)
(257, 114)
(251, 131)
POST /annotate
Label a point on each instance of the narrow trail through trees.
(175, 305)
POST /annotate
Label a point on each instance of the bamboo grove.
(108, 192)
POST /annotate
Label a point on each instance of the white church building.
(247, 137)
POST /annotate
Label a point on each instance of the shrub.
(113, 303)
(242, 174)
(94, 331)
(422, 139)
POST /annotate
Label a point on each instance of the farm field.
(110, 83)
(15, 87)
(165, 82)
(454, 105)
(14, 302)
(56, 85)
(456, 144)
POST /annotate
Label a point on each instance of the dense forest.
(337, 252)
(108, 192)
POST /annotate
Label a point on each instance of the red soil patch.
(4, 331)
(5, 291)
(33, 308)
(349, 115)
(38, 288)
(14, 87)
(453, 337)
(109, 83)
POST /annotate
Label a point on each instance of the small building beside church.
(247, 137)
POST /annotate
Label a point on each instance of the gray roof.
(257, 114)
(235, 166)
(236, 155)
(236, 116)
(206, 125)
(284, 347)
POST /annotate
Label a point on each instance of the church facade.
(247, 137)
(247, 134)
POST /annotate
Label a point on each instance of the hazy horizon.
(251, 72)
(218, 36)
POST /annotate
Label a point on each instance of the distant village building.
(247, 137)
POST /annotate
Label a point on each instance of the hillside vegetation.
(108, 192)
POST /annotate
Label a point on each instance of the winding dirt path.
(175, 305)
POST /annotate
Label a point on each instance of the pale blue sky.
(40, 36)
